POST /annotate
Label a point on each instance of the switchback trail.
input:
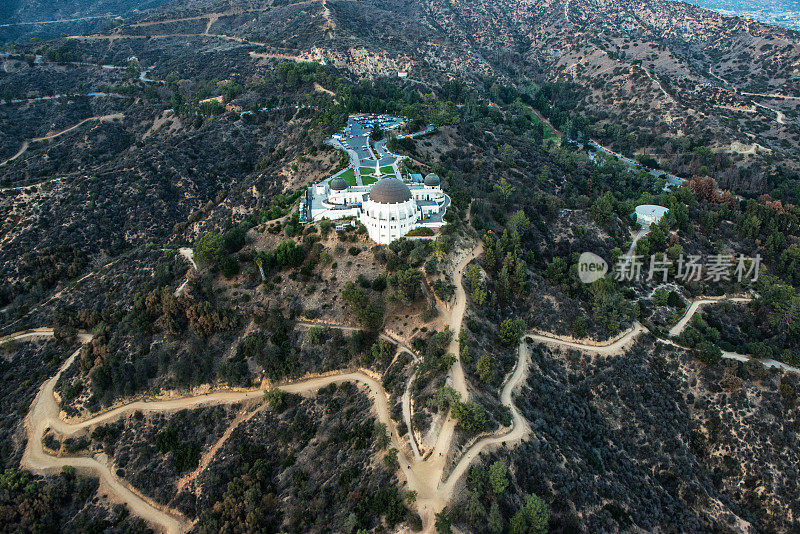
(423, 475)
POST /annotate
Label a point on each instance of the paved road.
(672, 180)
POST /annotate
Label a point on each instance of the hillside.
(213, 359)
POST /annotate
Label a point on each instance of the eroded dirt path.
(423, 475)
(53, 135)
(681, 325)
(21, 151)
(43, 414)
(612, 347)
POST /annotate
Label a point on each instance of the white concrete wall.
(388, 222)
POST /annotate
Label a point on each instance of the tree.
(235, 239)
(443, 523)
(603, 208)
(708, 353)
(532, 518)
(368, 312)
(473, 509)
(498, 477)
(391, 461)
(556, 270)
(210, 248)
(661, 296)
(476, 285)
(579, 328)
(470, 416)
(495, 521)
(377, 133)
(229, 266)
(407, 284)
(511, 331)
(503, 189)
(520, 277)
(485, 368)
(518, 222)
(288, 254)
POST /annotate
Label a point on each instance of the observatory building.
(389, 208)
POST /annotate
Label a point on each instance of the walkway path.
(613, 347)
(188, 254)
(44, 414)
(519, 431)
(425, 476)
(780, 117)
(53, 135)
(680, 326)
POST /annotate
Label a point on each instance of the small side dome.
(432, 180)
(338, 184)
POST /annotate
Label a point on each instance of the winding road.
(423, 475)
(680, 326)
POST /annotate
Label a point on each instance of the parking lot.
(356, 137)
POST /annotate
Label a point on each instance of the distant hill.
(23, 19)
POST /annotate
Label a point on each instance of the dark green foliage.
(58, 503)
(444, 290)
(498, 477)
(289, 255)
(532, 518)
(407, 284)
(229, 267)
(210, 248)
(511, 331)
(368, 311)
(186, 456)
(272, 352)
(234, 238)
(707, 353)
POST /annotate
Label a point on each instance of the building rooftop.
(432, 180)
(390, 191)
(338, 184)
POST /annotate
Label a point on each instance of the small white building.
(389, 209)
(648, 214)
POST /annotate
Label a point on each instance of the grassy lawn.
(548, 133)
(366, 170)
(349, 176)
(387, 170)
(368, 180)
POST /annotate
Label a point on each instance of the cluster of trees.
(503, 258)
(367, 310)
(59, 503)
(511, 331)
(269, 483)
(216, 250)
(471, 417)
(435, 359)
(273, 353)
(407, 284)
(185, 456)
(482, 509)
